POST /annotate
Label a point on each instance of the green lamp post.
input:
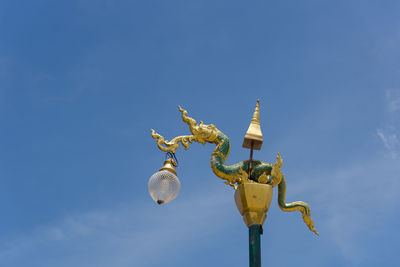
(252, 180)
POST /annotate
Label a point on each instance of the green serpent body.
(221, 153)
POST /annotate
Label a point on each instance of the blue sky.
(83, 82)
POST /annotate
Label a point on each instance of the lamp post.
(252, 180)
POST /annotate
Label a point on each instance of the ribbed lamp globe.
(164, 186)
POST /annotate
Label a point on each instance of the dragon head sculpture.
(201, 132)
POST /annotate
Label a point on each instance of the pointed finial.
(254, 134)
(256, 115)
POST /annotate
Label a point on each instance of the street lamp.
(164, 185)
(252, 180)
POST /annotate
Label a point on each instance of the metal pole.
(254, 245)
(251, 159)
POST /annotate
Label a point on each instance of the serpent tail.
(297, 205)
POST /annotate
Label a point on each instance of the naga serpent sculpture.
(261, 172)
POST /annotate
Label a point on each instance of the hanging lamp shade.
(164, 185)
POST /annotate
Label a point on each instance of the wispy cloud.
(393, 99)
(350, 202)
(129, 235)
(389, 134)
(355, 196)
(390, 141)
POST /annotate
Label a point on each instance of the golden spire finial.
(256, 115)
(254, 134)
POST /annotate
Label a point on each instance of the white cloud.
(390, 141)
(353, 201)
(140, 234)
(388, 135)
(393, 99)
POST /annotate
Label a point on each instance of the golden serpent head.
(202, 133)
